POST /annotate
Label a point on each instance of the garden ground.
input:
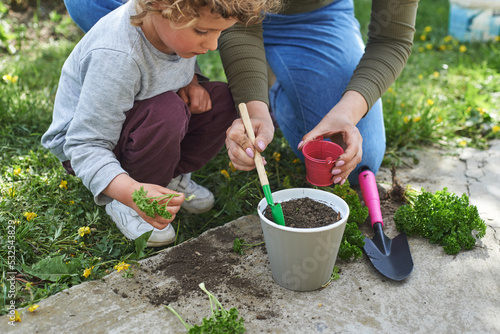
(444, 294)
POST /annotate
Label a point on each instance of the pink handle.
(370, 195)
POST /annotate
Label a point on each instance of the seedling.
(151, 205)
(240, 246)
(221, 321)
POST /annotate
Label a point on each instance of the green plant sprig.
(221, 321)
(151, 205)
(240, 246)
(443, 218)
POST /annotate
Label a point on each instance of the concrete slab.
(444, 294)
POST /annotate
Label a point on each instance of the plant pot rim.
(344, 215)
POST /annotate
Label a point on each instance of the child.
(130, 113)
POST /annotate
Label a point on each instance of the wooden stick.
(259, 164)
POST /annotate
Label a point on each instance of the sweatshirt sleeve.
(105, 97)
(244, 59)
(390, 39)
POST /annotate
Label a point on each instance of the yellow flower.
(277, 156)
(11, 192)
(122, 266)
(442, 47)
(497, 38)
(17, 171)
(16, 317)
(421, 49)
(63, 184)
(32, 308)
(420, 76)
(439, 119)
(225, 173)
(463, 143)
(231, 167)
(428, 46)
(403, 105)
(423, 37)
(481, 111)
(430, 102)
(10, 78)
(30, 215)
(448, 39)
(495, 128)
(435, 74)
(87, 272)
(406, 119)
(296, 161)
(462, 48)
(71, 202)
(390, 90)
(83, 230)
(428, 29)
(417, 119)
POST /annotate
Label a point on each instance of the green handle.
(268, 195)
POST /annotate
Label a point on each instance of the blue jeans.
(86, 13)
(313, 56)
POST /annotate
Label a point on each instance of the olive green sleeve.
(390, 39)
(244, 59)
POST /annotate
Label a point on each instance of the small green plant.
(353, 241)
(240, 246)
(221, 321)
(151, 205)
(443, 218)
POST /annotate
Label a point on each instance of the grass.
(447, 95)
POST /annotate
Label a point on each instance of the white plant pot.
(302, 259)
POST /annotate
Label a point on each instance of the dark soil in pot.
(306, 213)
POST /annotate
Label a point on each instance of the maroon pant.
(161, 139)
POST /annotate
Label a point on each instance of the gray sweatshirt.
(110, 68)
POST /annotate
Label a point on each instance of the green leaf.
(54, 269)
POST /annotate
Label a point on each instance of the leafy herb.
(335, 276)
(353, 240)
(221, 321)
(443, 218)
(240, 246)
(151, 205)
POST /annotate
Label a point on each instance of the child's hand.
(173, 206)
(240, 149)
(196, 97)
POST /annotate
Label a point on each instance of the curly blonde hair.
(244, 11)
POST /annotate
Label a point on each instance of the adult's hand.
(195, 96)
(339, 125)
(240, 149)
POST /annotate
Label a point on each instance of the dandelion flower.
(63, 184)
(421, 49)
(423, 37)
(16, 317)
(448, 39)
(277, 156)
(30, 215)
(495, 128)
(428, 46)
(17, 171)
(71, 202)
(430, 102)
(10, 78)
(463, 143)
(121, 266)
(462, 48)
(231, 166)
(417, 119)
(225, 173)
(497, 38)
(481, 111)
(407, 119)
(428, 29)
(296, 161)
(83, 230)
(32, 308)
(87, 272)
(403, 105)
(390, 90)
(442, 47)
(439, 119)
(420, 76)
(11, 192)
(435, 74)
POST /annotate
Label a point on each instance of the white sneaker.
(203, 200)
(133, 226)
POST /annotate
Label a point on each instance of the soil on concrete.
(305, 213)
